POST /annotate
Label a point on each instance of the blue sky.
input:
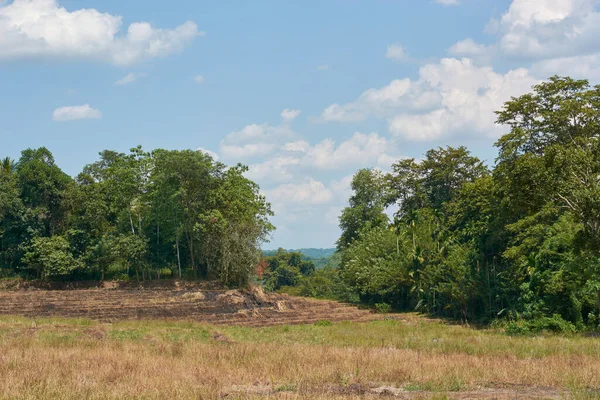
(304, 92)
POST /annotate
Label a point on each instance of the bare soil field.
(171, 300)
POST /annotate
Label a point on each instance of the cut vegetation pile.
(175, 301)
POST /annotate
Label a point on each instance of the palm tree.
(7, 166)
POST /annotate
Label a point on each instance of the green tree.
(45, 191)
(366, 206)
(50, 257)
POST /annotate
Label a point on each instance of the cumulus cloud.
(297, 146)
(44, 29)
(199, 79)
(452, 96)
(582, 67)
(549, 28)
(258, 140)
(448, 2)
(395, 52)
(289, 115)
(278, 169)
(72, 113)
(358, 151)
(468, 48)
(129, 78)
(310, 192)
(214, 155)
(400, 93)
(296, 159)
(537, 30)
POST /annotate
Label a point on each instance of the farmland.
(231, 351)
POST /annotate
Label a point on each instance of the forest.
(518, 240)
(142, 215)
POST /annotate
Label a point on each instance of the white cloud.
(289, 115)
(44, 29)
(451, 97)
(469, 97)
(72, 113)
(297, 158)
(310, 192)
(395, 52)
(277, 169)
(129, 78)
(582, 67)
(399, 94)
(549, 28)
(540, 30)
(448, 2)
(300, 145)
(214, 155)
(323, 67)
(258, 140)
(199, 79)
(359, 151)
(468, 48)
(246, 151)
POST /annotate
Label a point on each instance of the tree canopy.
(521, 239)
(140, 214)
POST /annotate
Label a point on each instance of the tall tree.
(366, 206)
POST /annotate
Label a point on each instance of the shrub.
(555, 324)
(383, 308)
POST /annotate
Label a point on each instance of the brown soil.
(366, 392)
(172, 300)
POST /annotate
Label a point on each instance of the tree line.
(519, 240)
(143, 214)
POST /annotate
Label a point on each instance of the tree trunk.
(131, 222)
(191, 241)
(158, 242)
(178, 258)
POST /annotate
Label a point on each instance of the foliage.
(286, 269)
(366, 206)
(555, 324)
(141, 214)
(383, 308)
(469, 243)
(50, 257)
(310, 253)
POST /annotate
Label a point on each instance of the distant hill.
(313, 254)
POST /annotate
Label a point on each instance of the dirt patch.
(231, 297)
(254, 390)
(219, 337)
(172, 284)
(94, 333)
(111, 302)
(191, 296)
(258, 294)
(363, 391)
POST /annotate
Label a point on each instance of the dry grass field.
(407, 357)
(189, 342)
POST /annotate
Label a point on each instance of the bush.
(290, 290)
(383, 308)
(50, 257)
(555, 324)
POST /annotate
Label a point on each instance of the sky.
(303, 92)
